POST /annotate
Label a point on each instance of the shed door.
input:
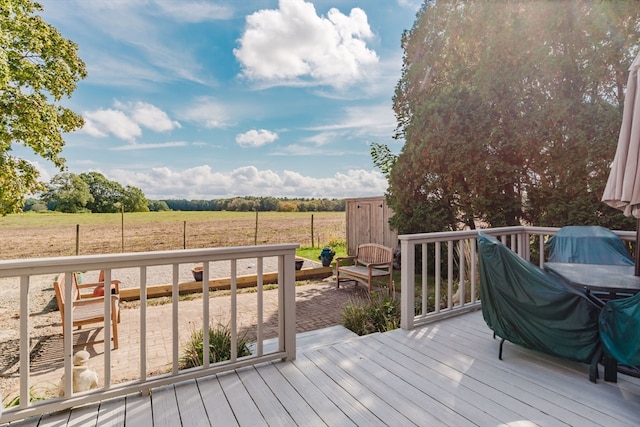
(363, 223)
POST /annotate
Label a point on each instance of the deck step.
(311, 340)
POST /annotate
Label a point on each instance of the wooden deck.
(447, 373)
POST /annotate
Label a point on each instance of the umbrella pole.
(637, 251)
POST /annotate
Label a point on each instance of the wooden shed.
(368, 222)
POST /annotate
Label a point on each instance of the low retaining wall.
(251, 280)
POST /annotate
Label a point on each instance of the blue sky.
(201, 99)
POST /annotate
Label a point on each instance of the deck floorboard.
(445, 373)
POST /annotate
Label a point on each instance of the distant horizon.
(218, 99)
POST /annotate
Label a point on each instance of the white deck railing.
(21, 272)
(456, 290)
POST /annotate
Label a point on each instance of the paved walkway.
(318, 306)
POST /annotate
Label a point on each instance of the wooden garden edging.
(154, 291)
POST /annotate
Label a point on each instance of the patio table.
(612, 279)
(619, 281)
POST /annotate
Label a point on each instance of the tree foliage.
(510, 112)
(67, 192)
(38, 67)
(93, 192)
(107, 195)
(134, 200)
(262, 204)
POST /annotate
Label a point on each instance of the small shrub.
(379, 313)
(219, 347)
(35, 394)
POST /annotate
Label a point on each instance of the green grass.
(339, 246)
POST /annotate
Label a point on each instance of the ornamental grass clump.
(380, 312)
(219, 347)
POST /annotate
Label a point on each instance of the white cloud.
(45, 176)
(150, 146)
(101, 123)
(293, 45)
(411, 4)
(144, 48)
(308, 150)
(194, 11)
(124, 121)
(202, 183)
(207, 112)
(372, 120)
(256, 138)
(149, 116)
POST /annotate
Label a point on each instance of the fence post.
(184, 235)
(77, 239)
(122, 225)
(312, 231)
(255, 235)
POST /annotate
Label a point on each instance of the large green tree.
(38, 67)
(134, 200)
(110, 196)
(510, 112)
(67, 192)
(107, 195)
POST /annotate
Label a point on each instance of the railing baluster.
(68, 335)
(449, 273)
(143, 323)
(260, 296)
(234, 310)
(107, 328)
(462, 278)
(175, 299)
(438, 294)
(474, 263)
(24, 342)
(425, 280)
(205, 315)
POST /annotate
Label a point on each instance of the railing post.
(287, 289)
(407, 283)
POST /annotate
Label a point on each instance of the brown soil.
(45, 241)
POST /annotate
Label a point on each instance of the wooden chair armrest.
(95, 300)
(96, 284)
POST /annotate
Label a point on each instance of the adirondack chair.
(88, 309)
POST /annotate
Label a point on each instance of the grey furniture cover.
(588, 245)
(527, 306)
(620, 329)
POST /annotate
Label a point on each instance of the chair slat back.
(60, 285)
(373, 253)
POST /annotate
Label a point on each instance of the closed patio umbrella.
(623, 186)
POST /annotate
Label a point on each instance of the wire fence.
(245, 230)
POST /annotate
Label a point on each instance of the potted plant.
(326, 256)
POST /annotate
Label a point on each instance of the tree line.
(93, 192)
(261, 204)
